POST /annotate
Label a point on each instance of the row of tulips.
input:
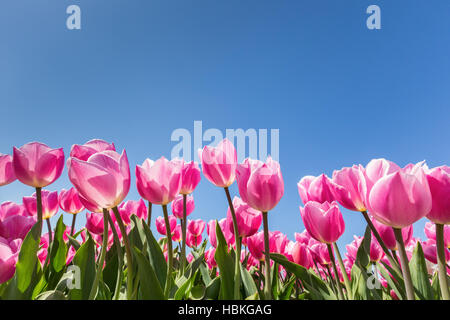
(119, 257)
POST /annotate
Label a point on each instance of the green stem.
(119, 257)
(442, 272)
(268, 285)
(404, 264)
(50, 233)
(183, 234)
(169, 251)
(348, 287)
(72, 229)
(149, 217)
(101, 260)
(128, 253)
(392, 261)
(336, 274)
(237, 267)
(39, 206)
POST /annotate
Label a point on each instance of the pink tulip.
(347, 188)
(8, 260)
(159, 182)
(16, 227)
(90, 206)
(430, 231)
(248, 219)
(37, 165)
(9, 209)
(103, 180)
(323, 221)
(177, 206)
(209, 257)
(319, 252)
(94, 223)
(190, 177)
(219, 163)
(7, 174)
(302, 237)
(260, 184)
(177, 233)
(131, 207)
(388, 237)
(50, 204)
(401, 198)
(430, 252)
(69, 201)
(192, 240)
(161, 224)
(439, 182)
(301, 255)
(190, 257)
(83, 152)
(196, 227)
(277, 244)
(255, 245)
(318, 189)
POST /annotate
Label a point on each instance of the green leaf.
(85, 260)
(395, 281)
(286, 291)
(51, 295)
(149, 284)
(249, 284)
(213, 289)
(225, 262)
(197, 292)
(73, 242)
(28, 259)
(318, 289)
(58, 253)
(419, 275)
(156, 256)
(363, 253)
(184, 284)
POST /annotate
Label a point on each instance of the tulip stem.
(126, 242)
(169, 251)
(404, 264)
(50, 233)
(119, 257)
(268, 285)
(101, 260)
(237, 268)
(442, 272)
(336, 274)
(374, 230)
(348, 288)
(183, 234)
(149, 211)
(72, 229)
(39, 206)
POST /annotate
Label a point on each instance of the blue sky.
(340, 94)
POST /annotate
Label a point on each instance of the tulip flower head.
(219, 163)
(248, 219)
(319, 189)
(323, 221)
(401, 198)
(37, 165)
(260, 184)
(7, 174)
(69, 201)
(439, 183)
(103, 180)
(159, 181)
(177, 206)
(83, 152)
(50, 204)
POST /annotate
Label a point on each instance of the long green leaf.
(419, 275)
(149, 285)
(225, 262)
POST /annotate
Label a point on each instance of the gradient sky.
(340, 94)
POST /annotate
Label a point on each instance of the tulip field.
(116, 256)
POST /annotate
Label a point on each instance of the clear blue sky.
(137, 70)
